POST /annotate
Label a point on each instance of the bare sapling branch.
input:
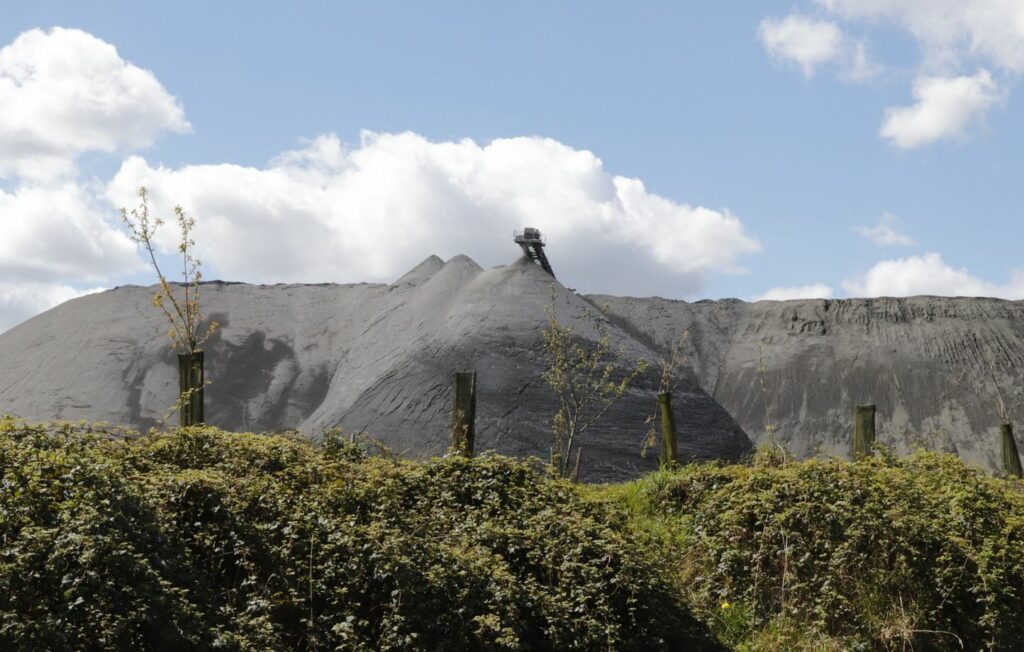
(183, 399)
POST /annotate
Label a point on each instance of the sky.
(758, 150)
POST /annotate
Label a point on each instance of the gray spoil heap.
(927, 363)
(370, 358)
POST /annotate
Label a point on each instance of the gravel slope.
(924, 361)
(367, 357)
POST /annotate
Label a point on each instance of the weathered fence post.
(576, 467)
(668, 429)
(190, 386)
(464, 413)
(863, 430)
(1011, 458)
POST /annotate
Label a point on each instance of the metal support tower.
(533, 243)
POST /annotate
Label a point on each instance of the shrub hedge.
(915, 553)
(203, 539)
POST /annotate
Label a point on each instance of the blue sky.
(808, 148)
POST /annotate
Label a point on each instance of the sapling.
(769, 427)
(586, 378)
(183, 313)
(1008, 445)
(775, 452)
(669, 378)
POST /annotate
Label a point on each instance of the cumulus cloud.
(928, 275)
(59, 231)
(815, 291)
(944, 108)
(949, 31)
(20, 301)
(323, 212)
(811, 43)
(884, 234)
(66, 92)
(330, 213)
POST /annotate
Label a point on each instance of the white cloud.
(56, 231)
(944, 108)
(860, 67)
(928, 275)
(327, 213)
(953, 35)
(884, 234)
(811, 43)
(815, 291)
(805, 41)
(66, 92)
(20, 301)
(321, 212)
(950, 31)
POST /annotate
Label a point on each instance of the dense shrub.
(202, 539)
(921, 552)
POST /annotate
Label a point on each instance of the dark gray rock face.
(374, 358)
(926, 362)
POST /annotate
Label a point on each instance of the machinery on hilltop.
(532, 242)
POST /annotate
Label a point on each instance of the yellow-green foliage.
(202, 539)
(914, 553)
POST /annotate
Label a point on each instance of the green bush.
(916, 553)
(201, 539)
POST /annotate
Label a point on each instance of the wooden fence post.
(668, 429)
(863, 431)
(1011, 458)
(190, 388)
(464, 413)
(576, 467)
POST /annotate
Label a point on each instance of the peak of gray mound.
(421, 272)
(462, 260)
(377, 359)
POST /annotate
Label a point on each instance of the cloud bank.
(928, 274)
(330, 213)
(24, 300)
(814, 291)
(64, 93)
(323, 212)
